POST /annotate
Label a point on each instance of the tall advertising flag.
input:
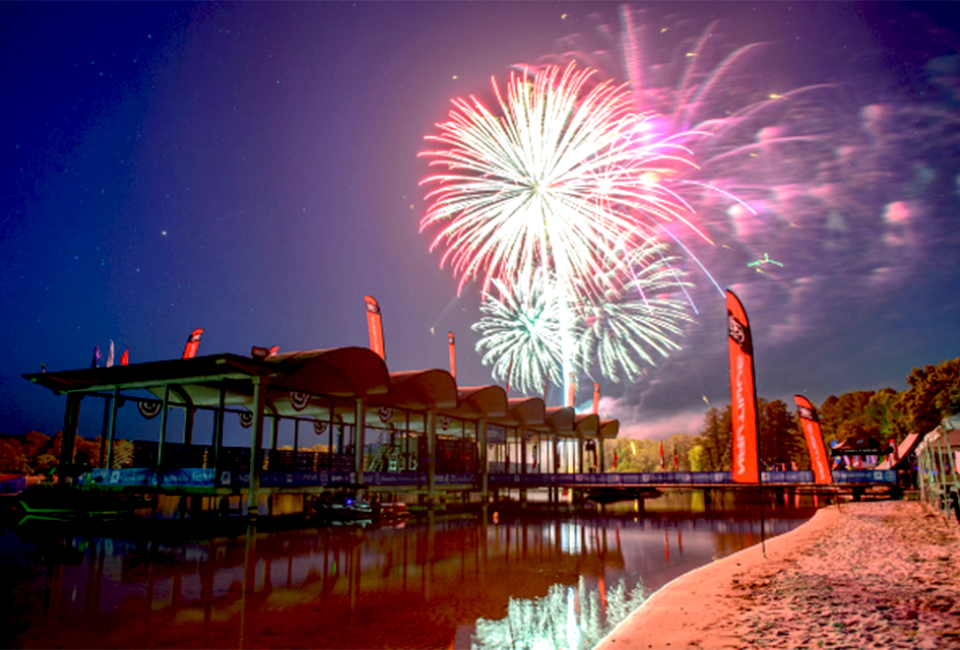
(375, 327)
(453, 354)
(193, 342)
(596, 398)
(811, 431)
(125, 357)
(571, 391)
(743, 394)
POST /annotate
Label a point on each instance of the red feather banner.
(811, 431)
(743, 394)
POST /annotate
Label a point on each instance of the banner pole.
(763, 542)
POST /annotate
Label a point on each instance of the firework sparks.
(634, 323)
(639, 320)
(557, 187)
(520, 331)
(561, 178)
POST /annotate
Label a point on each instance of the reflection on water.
(566, 617)
(435, 582)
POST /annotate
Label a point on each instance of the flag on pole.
(596, 398)
(96, 356)
(193, 342)
(663, 463)
(743, 394)
(110, 355)
(810, 423)
(125, 357)
(453, 354)
(375, 327)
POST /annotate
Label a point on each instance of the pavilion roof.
(325, 385)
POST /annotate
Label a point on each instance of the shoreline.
(880, 574)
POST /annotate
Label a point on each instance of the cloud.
(634, 425)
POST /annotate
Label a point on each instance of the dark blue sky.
(252, 169)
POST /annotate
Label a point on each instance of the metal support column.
(600, 453)
(431, 454)
(188, 414)
(482, 454)
(163, 426)
(111, 434)
(256, 442)
(218, 433)
(71, 420)
(359, 432)
(101, 462)
(579, 459)
(523, 449)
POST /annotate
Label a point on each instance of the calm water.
(441, 582)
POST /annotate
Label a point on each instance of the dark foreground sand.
(878, 575)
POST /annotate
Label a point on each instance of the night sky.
(252, 169)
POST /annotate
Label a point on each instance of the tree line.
(933, 394)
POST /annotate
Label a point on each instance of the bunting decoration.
(149, 409)
(246, 419)
(375, 327)
(445, 421)
(743, 395)
(811, 431)
(299, 400)
(319, 427)
(385, 413)
(193, 342)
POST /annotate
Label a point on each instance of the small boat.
(53, 503)
(341, 507)
(393, 511)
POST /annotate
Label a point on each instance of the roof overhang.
(341, 372)
(421, 390)
(479, 402)
(211, 368)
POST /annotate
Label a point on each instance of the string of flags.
(97, 356)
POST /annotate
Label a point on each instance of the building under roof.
(422, 418)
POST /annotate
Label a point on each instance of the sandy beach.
(875, 574)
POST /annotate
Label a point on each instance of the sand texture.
(877, 575)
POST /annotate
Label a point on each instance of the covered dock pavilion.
(412, 431)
